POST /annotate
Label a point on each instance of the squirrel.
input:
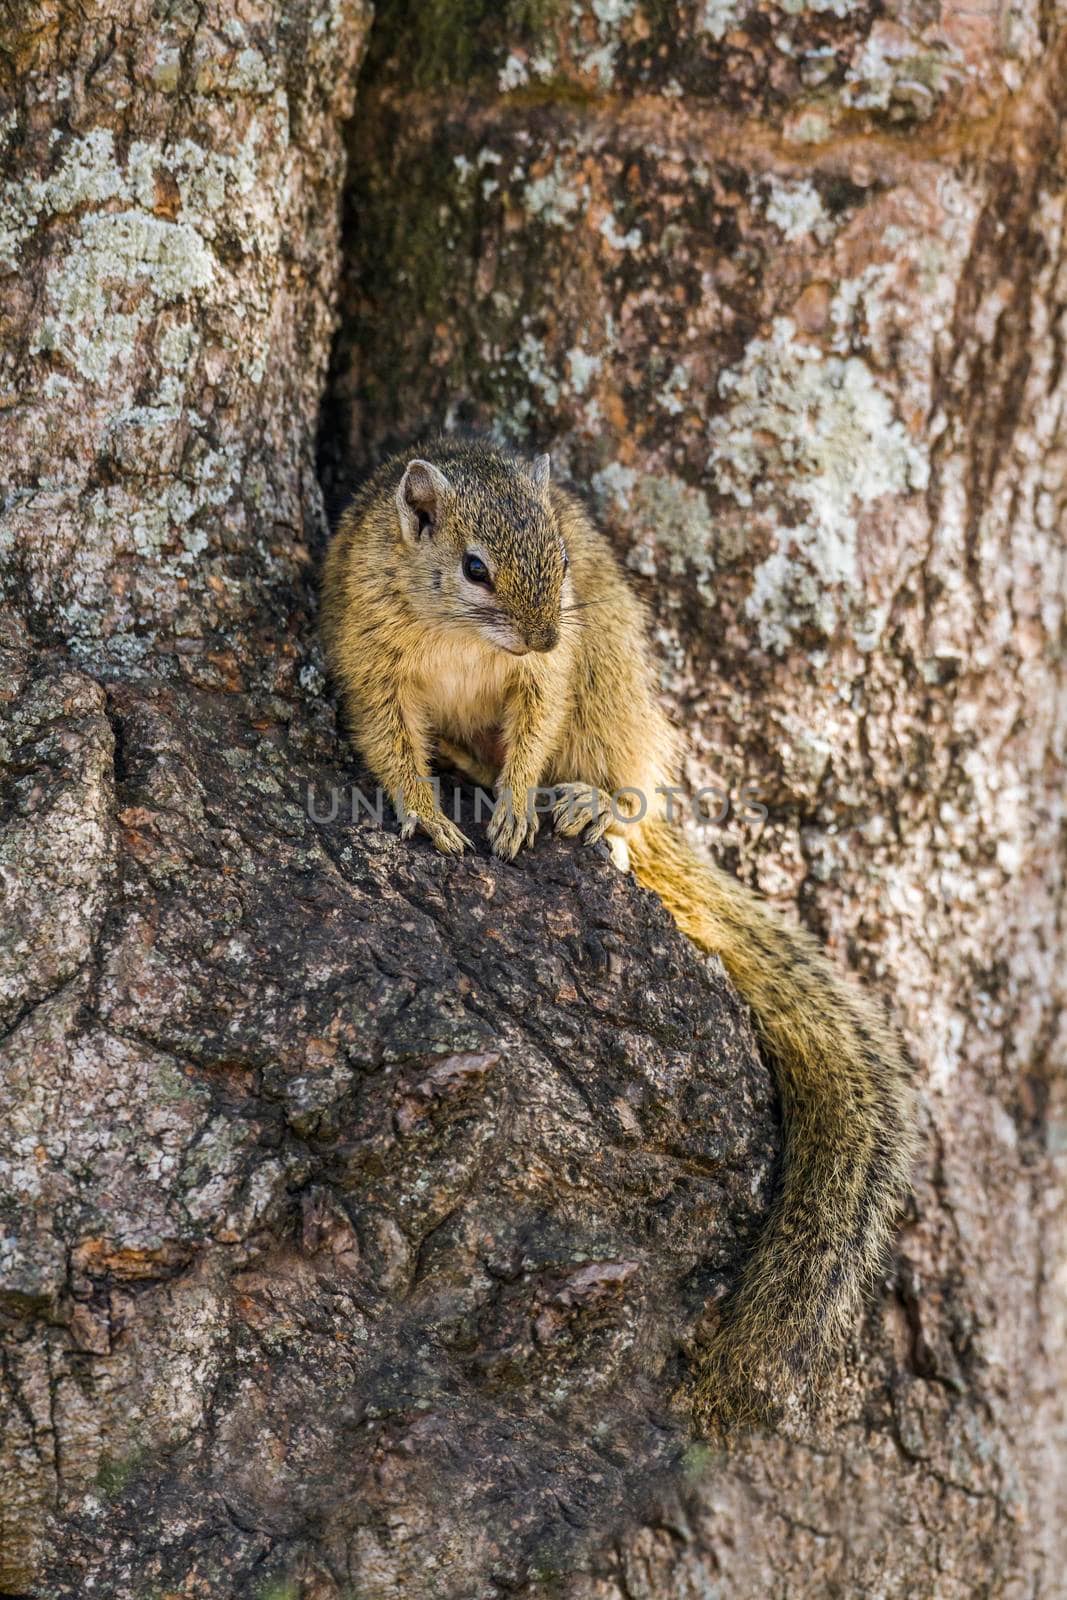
(472, 612)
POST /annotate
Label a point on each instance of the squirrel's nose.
(542, 638)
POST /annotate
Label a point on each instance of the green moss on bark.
(434, 42)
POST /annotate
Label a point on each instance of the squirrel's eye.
(475, 569)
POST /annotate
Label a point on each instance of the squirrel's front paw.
(449, 839)
(510, 829)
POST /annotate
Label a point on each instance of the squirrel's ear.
(421, 499)
(540, 473)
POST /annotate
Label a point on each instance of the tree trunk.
(355, 1234)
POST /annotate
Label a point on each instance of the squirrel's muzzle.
(541, 637)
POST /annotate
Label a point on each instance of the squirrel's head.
(486, 549)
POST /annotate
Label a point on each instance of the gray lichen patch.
(553, 198)
(670, 524)
(796, 208)
(142, 239)
(825, 425)
(83, 325)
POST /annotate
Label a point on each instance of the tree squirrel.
(471, 609)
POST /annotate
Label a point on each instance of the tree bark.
(355, 1233)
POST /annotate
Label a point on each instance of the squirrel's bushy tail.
(849, 1135)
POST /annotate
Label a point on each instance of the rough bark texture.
(358, 1207)
(369, 1195)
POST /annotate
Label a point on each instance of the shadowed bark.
(360, 1208)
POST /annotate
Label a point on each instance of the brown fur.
(421, 666)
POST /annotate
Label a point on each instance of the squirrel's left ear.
(421, 499)
(540, 473)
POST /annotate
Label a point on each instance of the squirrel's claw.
(510, 830)
(450, 840)
(581, 811)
